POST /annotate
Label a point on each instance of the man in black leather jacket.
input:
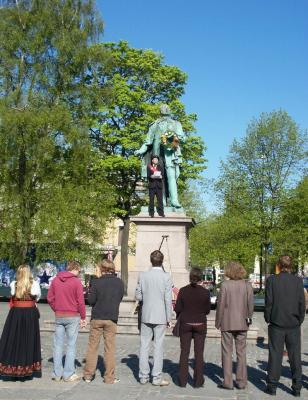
(284, 312)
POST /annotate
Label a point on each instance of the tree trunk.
(261, 266)
(266, 264)
(124, 253)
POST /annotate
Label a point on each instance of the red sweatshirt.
(65, 296)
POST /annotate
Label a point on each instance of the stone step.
(127, 317)
(129, 328)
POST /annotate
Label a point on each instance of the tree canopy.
(51, 195)
(141, 82)
(254, 192)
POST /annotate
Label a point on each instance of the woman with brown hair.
(233, 317)
(192, 306)
(20, 345)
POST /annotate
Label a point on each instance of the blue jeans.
(68, 327)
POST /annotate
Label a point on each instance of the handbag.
(248, 319)
(176, 328)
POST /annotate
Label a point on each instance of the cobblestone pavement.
(127, 370)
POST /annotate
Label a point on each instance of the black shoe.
(296, 393)
(162, 215)
(270, 390)
(151, 215)
(222, 386)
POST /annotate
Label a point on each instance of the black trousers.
(187, 333)
(277, 337)
(158, 192)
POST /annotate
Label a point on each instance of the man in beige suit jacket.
(234, 308)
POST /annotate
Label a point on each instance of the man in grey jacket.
(154, 290)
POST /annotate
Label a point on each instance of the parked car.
(213, 299)
(259, 302)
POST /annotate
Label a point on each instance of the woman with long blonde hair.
(20, 347)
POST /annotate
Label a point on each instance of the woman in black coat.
(192, 306)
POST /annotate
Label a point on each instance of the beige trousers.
(108, 329)
(226, 354)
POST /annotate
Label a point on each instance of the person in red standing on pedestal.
(155, 178)
(20, 345)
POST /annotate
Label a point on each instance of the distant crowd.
(285, 308)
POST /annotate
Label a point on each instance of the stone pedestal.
(150, 232)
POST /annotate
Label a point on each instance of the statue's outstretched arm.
(148, 142)
(143, 149)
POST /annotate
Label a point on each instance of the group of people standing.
(284, 312)
(20, 349)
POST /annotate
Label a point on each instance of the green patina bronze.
(163, 139)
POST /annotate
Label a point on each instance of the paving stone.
(127, 370)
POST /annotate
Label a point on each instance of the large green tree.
(141, 82)
(258, 173)
(292, 235)
(51, 194)
(221, 238)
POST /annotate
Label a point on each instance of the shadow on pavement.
(285, 372)
(213, 372)
(132, 362)
(101, 365)
(169, 367)
(262, 345)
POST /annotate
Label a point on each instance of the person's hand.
(169, 324)
(83, 323)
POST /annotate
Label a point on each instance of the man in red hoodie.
(65, 297)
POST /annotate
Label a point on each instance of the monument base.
(169, 233)
(168, 210)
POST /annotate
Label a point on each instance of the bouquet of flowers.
(170, 140)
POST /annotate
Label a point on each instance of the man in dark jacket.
(105, 296)
(284, 312)
(155, 178)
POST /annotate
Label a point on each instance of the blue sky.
(242, 57)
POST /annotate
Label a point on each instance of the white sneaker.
(116, 380)
(72, 378)
(163, 382)
(56, 378)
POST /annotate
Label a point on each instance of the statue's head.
(165, 109)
